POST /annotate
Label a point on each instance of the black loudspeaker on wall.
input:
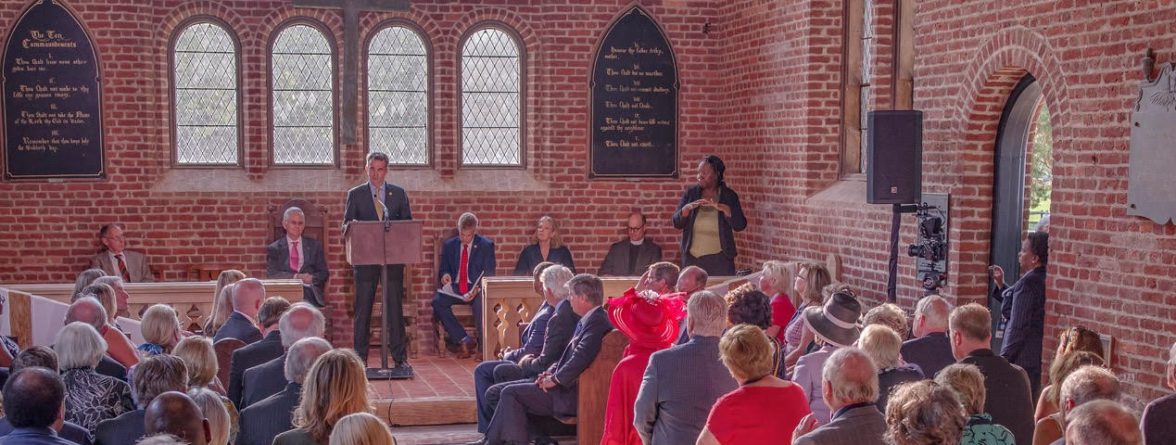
(894, 157)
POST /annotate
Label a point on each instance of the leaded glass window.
(490, 99)
(867, 65)
(303, 97)
(398, 101)
(205, 98)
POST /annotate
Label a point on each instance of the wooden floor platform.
(442, 393)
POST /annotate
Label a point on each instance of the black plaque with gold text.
(52, 97)
(634, 123)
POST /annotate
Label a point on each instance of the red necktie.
(294, 256)
(122, 268)
(463, 271)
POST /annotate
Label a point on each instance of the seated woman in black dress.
(547, 247)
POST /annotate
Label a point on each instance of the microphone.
(381, 203)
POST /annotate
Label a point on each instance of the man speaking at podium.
(378, 201)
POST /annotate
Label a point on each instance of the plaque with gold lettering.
(52, 97)
(634, 88)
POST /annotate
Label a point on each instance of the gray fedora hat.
(836, 322)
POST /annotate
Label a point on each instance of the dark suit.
(121, 430)
(137, 268)
(314, 262)
(263, 380)
(1009, 400)
(680, 386)
(861, 425)
(249, 356)
(481, 264)
(491, 377)
(1156, 423)
(361, 207)
(33, 436)
(519, 400)
(727, 228)
(69, 431)
(109, 367)
(238, 327)
(932, 352)
(620, 256)
(532, 255)
(264, 420)
(1026, 326)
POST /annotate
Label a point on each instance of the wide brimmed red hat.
(647, 320)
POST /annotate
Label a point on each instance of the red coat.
(622, 394)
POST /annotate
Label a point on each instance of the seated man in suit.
(177, 414)
(113, 259)
(266, 379)
(268, 348)
(153, 376)
(692, 279)
(849, 384)
(263, 420)
(40, 356)
(1156, 417)
(555, 392)
(1102, 422)
(34, 400)
(299, 257)
(629, 257)
(242, 323)
(1010, 399)
(465, 259)
(930, 347)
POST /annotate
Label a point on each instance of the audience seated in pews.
(1087, 384)
(465, 259)
(222, 303)
(882, 344)
(930, 348)
(248, 295)
(153, 376)
(849, 383)
(891, 316)
(298, 257)
(1023, 307)
(1074, 339)
(1157, 425)
(692, 279)
(161, 330)
(741, 416)
(650, 321)
(96, 312)
(85, 279)
(89, 397)
(264, 420)
(335, 387)
(114, 259)
(33, 399)
(122, 298)
(175, 413)
(809, 285)
(632, 255)
(1050, 428)
(924, 413)
(200, 359)
(301, 321)
(361, 429)
(40, 356)
(544, 339)
(968, 384)
(833, 326)
(548, 246)
(555, 391)
(660, 278)
(773, 282)
(213, 407)
(268, 348)
(1102, 422)
(682, 383)
(746, 305)
(1009, 397)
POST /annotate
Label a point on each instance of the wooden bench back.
(594, 384)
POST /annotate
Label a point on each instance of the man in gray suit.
(682, 383)
(115, 260)
(263, 420)
(849, 384)
(630, 256)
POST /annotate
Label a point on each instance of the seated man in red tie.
(465, 259)
(298, 257)
(116, 261)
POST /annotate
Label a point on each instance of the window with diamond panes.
(205, 97)
(398, 102)
(490, 99)
(303, 97)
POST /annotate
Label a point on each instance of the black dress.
(531, 257)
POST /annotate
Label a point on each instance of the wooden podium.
(383, 243)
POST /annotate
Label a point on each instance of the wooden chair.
(224, 356)
(316, 221)
(464, 313)
(593, 387)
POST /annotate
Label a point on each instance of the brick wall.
(762, 89)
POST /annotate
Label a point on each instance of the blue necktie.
(579, 328)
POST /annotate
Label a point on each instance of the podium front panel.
(373, 243)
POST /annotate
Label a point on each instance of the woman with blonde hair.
(213, 408)
(1071, 340)
(1050, 428)
(335, 386)
(968, 383)
(924, 413)
(774, 283)
(807, 291)
(548, 247)
(200, 359)
(361, 429)
(161, 329)
(222, 301)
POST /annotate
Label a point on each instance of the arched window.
(303, 99)
(398, 96)
(204, 96)
(491, 98)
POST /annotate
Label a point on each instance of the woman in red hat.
(651, 323)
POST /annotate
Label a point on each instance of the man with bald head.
(930, 348)
(242, 324)
(34, 400)
(268, 348)
(175, 413)
(266, 379)
(89, 310)
(849, 384)
(1102, 422)
(264, 420)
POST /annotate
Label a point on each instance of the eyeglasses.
(636, 228)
